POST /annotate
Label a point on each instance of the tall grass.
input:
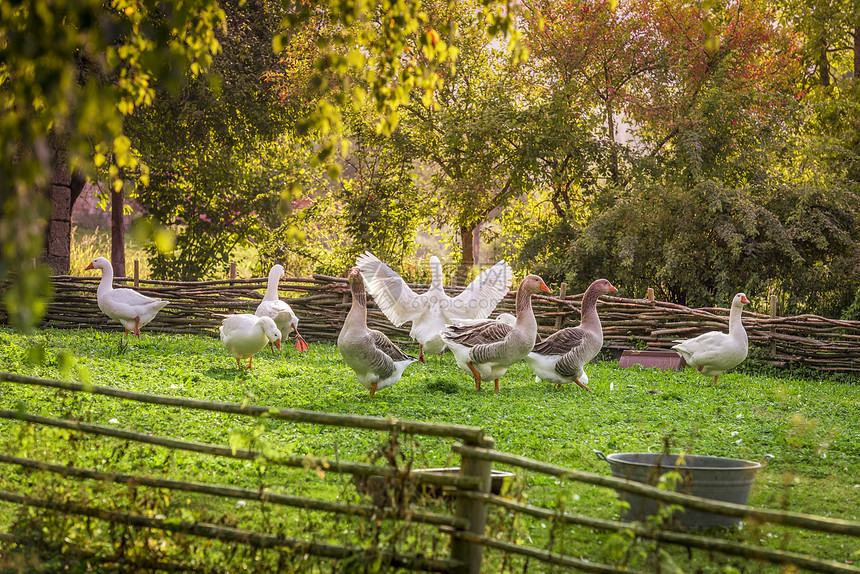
(89, 243)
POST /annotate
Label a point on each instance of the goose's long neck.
(106, 284)
(358, 312)
(525, 315)
(736, 326)
(590, 319)
(435, 272)
(272, 287)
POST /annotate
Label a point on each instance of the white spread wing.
(391, 293)
(482, 295)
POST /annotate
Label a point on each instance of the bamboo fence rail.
(321, 303)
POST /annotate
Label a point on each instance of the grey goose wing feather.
(570, 364)
(561, 342)
(384, 344)
(482, 333)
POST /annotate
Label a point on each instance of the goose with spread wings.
(432, 310)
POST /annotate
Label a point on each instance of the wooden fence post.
(773, 303)
(136, 273)
(473, 510)
(651, 294)
(562, 293)
(233, 271)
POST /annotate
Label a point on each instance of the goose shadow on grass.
(228, 373)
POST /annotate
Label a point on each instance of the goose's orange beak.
(543, 287)
(88, 267)
(612, 288)
(744, 299)
(278, 344)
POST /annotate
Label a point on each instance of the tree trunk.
(612, 146)
(467, 254)
(117, 234)
(476, 245)
(58, 233)
(79, 181)
(857, 53)
(823, 68)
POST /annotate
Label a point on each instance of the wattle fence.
(321, 303)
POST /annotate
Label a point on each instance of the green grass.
(810, 424)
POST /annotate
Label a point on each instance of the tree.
(468, 133)
(694, 209)
(382, 203)
(830, 32)
(70, 71)
(738, 48)
(217, 176)
(374, 205)
(593, 51)
(735, 205)
(75, 69)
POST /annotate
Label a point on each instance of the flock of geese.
(483, 347)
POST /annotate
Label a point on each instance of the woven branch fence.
(322, 302)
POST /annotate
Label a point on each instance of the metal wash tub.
(717, 478)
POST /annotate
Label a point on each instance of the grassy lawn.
(810, 424)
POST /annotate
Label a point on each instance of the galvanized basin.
(717, 478)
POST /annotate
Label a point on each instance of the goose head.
(271, 330)
(740, 299)
(603, 286)
(99, 263)
(354, 277)
(533, 284)
(277, 271)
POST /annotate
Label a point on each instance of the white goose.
(279, 311)
(715, 352)
(488, 348)
(244, 335)
(377, 362)
(127, 306)
(432, 310)
(560, 357)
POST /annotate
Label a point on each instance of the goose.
(127, 306)
(715, 352)
(378, 363)
(244, 335)
(560, 358)
(432, 310)
(279, 311)
(488, 348)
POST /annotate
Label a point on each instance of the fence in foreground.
(322, 302)
(70, 506)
